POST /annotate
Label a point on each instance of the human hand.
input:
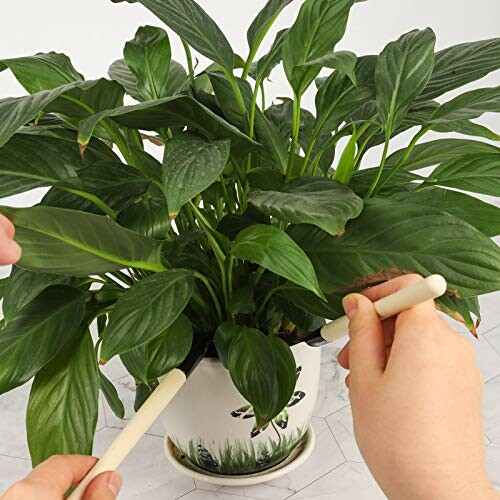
(10, 252)
(416, 397)
(52, 479)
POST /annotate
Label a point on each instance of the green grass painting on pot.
(258, 219)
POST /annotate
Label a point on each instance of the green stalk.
(94, 199)
(295, 135)
(381, 167)
(237, 92)
(264, 302)
(212, 293)
(189, 59)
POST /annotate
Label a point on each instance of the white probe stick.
(428, 289)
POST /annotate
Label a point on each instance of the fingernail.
(114, 483)
(350, 305)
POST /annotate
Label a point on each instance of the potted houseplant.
(250, 230)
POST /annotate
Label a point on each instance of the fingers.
(367, 350)
(10, 252)
(389, 287)
(106, 486)
(60, 472)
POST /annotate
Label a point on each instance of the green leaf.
(23, 286)
(403, 70)
(466, 127)
(42, 71)
(224, 336)
(166, 352)
(479, 173)
(462, 64)
(263, 67)
(146, 310)
(111, 395)
(148, 217)
(307, 301)
(171, 112)
(77, 244)
(481, 215)
(273, 249)
(390, 238)
(30, 161)
(432, 153)
(347, 163)
(148, 56)
(460, 310)
(191, 165)
(320, 25)
(37, 333)
(120, 73)
(402, 180)
(77, 99)
(469, 105)
(263, 370)
(63, 405)
(194, 25)
(263, 21)
(343, 61)
(311, 200)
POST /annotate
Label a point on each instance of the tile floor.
(335, 470)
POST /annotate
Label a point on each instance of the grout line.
(187, 493)
(15, 458)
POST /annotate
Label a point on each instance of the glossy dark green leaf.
(273, 249)
(403, 70)
(263, 67)
(148, 217)
(120, 72)
(42, 71)
(302, 322)
(77, 99)
(469, 105)
(37, 333)
(194, 25)
(23, 286)
(460, 310)
(3, 286)
(263, 21)
(29, 161)
(343, 61)
(306, 300)
(479, 173)
(462, 64)
(390, 237)
(76, 243)
(224, 336)
(177, 111)
(191, 165)
(311, 200)
(166, 352)
(481, 215)
(432, 153)
(320, 25)
(402, 180)
(111, 395)
(63, 405)
(146, 310)
(148, 56)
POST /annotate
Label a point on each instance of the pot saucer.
(301, 453)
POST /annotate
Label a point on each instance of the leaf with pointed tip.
(479, 173)
(461, 64)
(148, 56)
(176, 111)
(42, 71)
(191, 165)
(432, 153)
(148, 217)
(393, 238)
(224, 336)
(401, 180)
(37, 333)
(264, 66)
(77, 244)
(274, 250)
(403, 70)
(320, 25)
(120, 73)
(111, 395)
(64, 403)
(343, 61)
(481, 215)
(311, 200)
(166, 352)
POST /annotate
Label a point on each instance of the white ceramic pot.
(211, 423)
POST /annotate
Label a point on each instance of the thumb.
(104, 487)
(367, 353)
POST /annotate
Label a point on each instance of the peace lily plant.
(255, 224)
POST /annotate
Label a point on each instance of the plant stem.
(264, 302)
(212, 293)
(93, 199)
(295, 135)
(189, 59)
(381, 167)
(237, 92)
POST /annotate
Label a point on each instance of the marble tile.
(487, 359)
(126, 390)
(490, 312)
(493, 338)
(491, 410)
(114, 369)
(146, 471)
(12, 423)
(493, 463)
(341, 425)
(333, 394)
(214, 495)
(11, 471)
(325, 457)
(350, 481)
(201, 485)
